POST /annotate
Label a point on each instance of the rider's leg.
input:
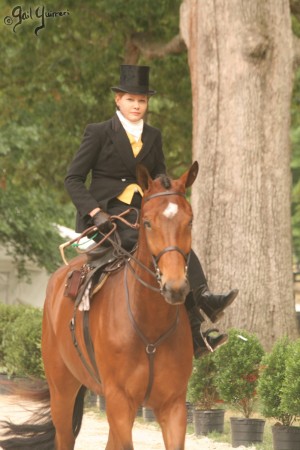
(212, 305)
(204, 342)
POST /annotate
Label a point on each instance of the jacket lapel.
(122, 144)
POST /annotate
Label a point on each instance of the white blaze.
(171, 210)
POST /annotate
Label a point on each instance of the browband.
(161, 194)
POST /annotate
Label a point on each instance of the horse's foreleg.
(120, 415)
(172, 419)
(113, 442)
(63, 392)
(62, 401)
(63, 415)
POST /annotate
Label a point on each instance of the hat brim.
(136, 91)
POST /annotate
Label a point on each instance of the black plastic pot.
(148, 415)
(102, 403)
(286, 438)
(246, 431)
(139, 412)
(189, 412)
(207, 421)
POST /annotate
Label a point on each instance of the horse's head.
(166, 226)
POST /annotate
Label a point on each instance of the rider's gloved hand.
(102, 221)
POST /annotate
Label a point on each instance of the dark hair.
(165, 181)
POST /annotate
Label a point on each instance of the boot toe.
(231, 296)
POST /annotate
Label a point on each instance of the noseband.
(171, 248)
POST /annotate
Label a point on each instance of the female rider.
(111, 150)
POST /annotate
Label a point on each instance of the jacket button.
(123, 179)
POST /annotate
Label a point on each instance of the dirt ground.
(93, 434)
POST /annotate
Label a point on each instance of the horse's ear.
(190, 176)
(143, 177)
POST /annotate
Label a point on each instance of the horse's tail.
(38, 433)
(78, 411)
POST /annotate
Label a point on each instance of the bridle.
(151, 347)
(171, 248)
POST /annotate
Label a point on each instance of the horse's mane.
(165, 181)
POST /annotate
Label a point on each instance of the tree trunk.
(240, 57)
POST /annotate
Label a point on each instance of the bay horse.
(139, 330)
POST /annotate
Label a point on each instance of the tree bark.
(141, 44)
(241, 64)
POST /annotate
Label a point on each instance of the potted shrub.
(291, 385)
(279, 391)
(238, 364)
(203, 394)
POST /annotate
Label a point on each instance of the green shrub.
(271, 382)
(238, 363)
(22, 341)
(290, 393)
(8, 314)
(201, 389)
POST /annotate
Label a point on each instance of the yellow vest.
(129, 191)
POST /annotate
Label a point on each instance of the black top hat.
(134, 80)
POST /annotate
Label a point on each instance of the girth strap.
(93, 371)
(89, 343)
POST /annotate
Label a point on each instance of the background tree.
(241, 63)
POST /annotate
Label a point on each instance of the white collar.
(134, 128)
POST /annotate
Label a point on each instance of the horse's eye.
(147, 224)
(191, 224)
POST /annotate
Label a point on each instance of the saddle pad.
(100, 283)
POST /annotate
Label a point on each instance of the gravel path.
(93, 434)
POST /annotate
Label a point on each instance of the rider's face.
(132, 106)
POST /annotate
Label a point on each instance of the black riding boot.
(195, 317)
(212, 305)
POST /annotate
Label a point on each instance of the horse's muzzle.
(174, 293)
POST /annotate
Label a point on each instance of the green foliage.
(271, 382)
(54, 84)
(27, 227)
(295, 140)
(290, 393)
(22, 344)
(8, 315)
(295, 165)
(201, 389)
(238, 365)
